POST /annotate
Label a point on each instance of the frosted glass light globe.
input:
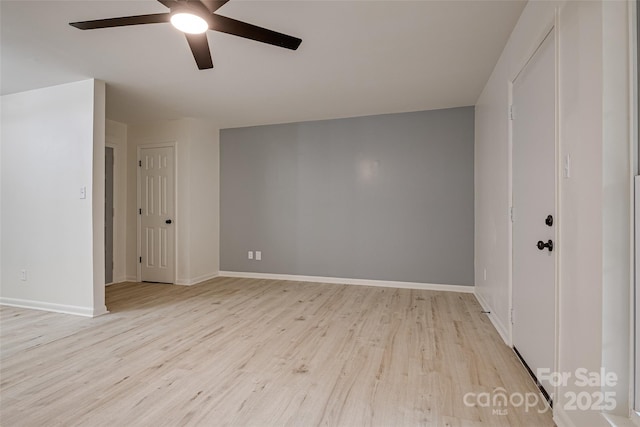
(189, 23)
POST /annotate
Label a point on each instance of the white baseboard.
(196, 280)
(495, 320)
(561, 418)
(119, 279)
(56, 308)
(179, 281)
(100, 312)
(618, 420)
(343, 281)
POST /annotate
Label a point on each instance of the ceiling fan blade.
(168, 3)
(200, 49)
(249, 31)
(213, 5)
(155, 18)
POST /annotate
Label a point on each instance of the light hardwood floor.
(240, 352)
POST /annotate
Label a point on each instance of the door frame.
(141, 147)
(552, 26)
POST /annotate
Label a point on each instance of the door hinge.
(512, 214)
(140, 163)
(140, 260)
(511, 112)
(139, 211)
(512, 317)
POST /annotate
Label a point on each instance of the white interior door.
(534, 199)
(157, 214)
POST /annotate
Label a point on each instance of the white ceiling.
(356, 58)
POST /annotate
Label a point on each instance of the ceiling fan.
(194, 18)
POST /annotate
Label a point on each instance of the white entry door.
(157, 214)
(534, 215)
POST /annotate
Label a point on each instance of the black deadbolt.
(549, 220)
(541, 245)
(168, 221)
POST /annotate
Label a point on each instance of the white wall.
(51, 145)
(97, 194)
(204, 187)
(116, 137)
(580, 210)
(197, 175)
(594, 216)
(617, 195)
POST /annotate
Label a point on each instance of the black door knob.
(549, 220)
(168, 221)
(541, 245)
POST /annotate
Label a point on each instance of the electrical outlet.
(485, 274)
(250, 255)
(258, 256)
(23, 275)
(83, 192)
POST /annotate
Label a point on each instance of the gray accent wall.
(386, 197)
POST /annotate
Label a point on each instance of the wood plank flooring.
(245, 352)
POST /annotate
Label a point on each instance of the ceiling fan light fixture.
(194, 18)
(189, 23)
